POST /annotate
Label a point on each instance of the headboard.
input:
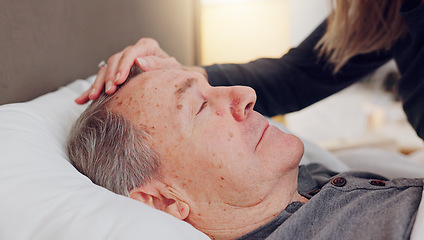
(47, 43)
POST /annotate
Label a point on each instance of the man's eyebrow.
(188, 83)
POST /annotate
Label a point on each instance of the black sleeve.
(297, 79)
(409, 56)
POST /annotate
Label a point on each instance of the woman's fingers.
(94, 91)
(146, 53)
(147, 63)
(150, 63)
(125, 63)
(83, 98)
(144, 47)
(150, 47)
(98, 84)
(111, 73)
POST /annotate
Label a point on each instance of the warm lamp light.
(243, 30)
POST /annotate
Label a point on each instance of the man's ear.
(158, 195)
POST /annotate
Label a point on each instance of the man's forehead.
(125, 96)
(157, 76)
(141, 79)
(176, 82)
(135, 86)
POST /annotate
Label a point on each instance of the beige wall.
(47, 43)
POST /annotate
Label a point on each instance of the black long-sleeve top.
(300, 78)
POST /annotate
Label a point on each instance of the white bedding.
(44, 197)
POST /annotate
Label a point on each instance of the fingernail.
(117, 76)
(108, 86)
(92, 92)
(142, 62)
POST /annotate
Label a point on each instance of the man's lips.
(263, 133)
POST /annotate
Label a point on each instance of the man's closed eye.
(204, 104)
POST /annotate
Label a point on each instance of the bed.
(42, 195)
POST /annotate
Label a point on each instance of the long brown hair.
(360, 26)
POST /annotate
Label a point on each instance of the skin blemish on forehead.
(149, 130)
(144, 128)
(131, 103)
(179, 106)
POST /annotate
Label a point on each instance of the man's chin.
(281, 150)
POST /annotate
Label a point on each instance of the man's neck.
(223, 221)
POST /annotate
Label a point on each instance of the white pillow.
(44, 197)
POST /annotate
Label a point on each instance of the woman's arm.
(296, 80)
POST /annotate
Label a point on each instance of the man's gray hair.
(110, 149)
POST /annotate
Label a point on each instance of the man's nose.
(242, 101)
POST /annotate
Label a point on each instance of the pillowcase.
(45, 197)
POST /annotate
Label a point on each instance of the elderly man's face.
(215, 149)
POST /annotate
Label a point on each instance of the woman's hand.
(146, 53)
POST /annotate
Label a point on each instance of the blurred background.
(243, 30)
